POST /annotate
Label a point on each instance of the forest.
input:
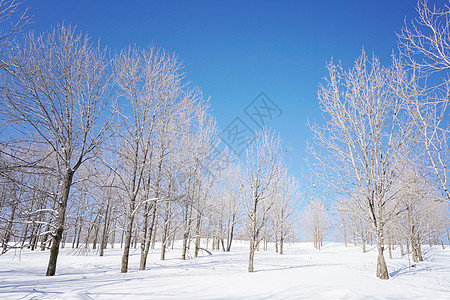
(104, 150)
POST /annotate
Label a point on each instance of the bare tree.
(198, 179)
(283, 214)
(58, 90)
(425, 42)
(12, 20)
(315, 222)
(362, 139)
(227, 194)
(146, 79)
(262, 169)
(425, 45)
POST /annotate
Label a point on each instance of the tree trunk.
(155, 229)
(113, 236)
(127, 244)
(45, 238)
(345, 232)
(390, 247)
(63, 243)
(230, 237)
(104, 240)
(382, 271)
(165, 237)
(419, 251)
(402, 253)
(148, 239)
(166, 228)
(197, 234)
(186, 231)
(135, 237)
(8, 229)
(251, 255)
(60, 222)
(75, 232)
(448, 234)
(254, 232)
(143, 259)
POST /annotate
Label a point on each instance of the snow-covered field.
(335, 272)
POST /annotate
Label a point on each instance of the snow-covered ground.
(335, 272)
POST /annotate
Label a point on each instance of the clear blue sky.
(233, 50)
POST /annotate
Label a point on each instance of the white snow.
(335, 272)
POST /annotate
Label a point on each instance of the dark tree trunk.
(128, 236)
(230, 237)
(187, 225)
(104, 240)
(144, 254)
(60, 222)
(8, 229)
(166, 228)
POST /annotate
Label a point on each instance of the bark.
(448, 234)
(113, 237)
(281, 243)
(60, 222)
(75, 232)
(155, 228)
(344, 228)
(148, 239)
(8, 229)
(63, 243)
(197, 235)
(166, 228)
(104, 240)
(187, 225)
(135, 237)
(79, 233)
(44, 238)
(419, 252)
(96, 228)
(363, 239)
(382, 271)
(144, 251)
(127, 243)
(251, 255)
(402, 253)
(390, 249)
(254, 232)
(25, 234)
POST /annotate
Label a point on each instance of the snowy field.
(335, 272)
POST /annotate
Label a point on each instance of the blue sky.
(233, 50)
